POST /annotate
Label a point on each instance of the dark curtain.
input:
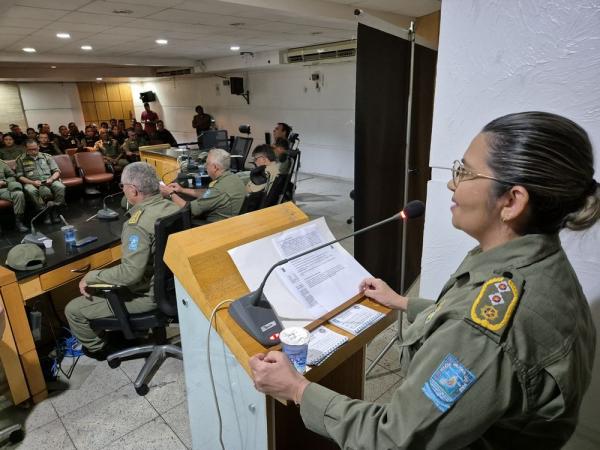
(382, 84)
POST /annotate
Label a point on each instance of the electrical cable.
(210, 371)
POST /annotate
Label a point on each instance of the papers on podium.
(308, 287)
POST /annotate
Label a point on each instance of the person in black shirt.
(162, 135)
(46, 129)
(90, 138)
(18, 136)
(74, 131)
(201, 121)
(48, 147)
(65, 140)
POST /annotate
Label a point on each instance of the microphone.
(107, 213)
(36, 237)
(253, 312)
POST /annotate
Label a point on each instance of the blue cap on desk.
(26, 257)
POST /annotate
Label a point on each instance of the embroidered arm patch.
(133, 243)
(448, 383)
(495, 304)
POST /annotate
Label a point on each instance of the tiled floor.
(105, 412)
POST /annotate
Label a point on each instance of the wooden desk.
(17, 349)
(163, 160)
(205, 276)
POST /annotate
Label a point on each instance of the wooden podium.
(205, 275)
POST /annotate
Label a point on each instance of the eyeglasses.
(461, 173)
(122, 185)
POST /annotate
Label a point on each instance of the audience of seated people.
(36, 177)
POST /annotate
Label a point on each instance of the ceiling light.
(29, 50)
(316, 33)
(86, 47)
(122, 11)
(234, 48)
(237, 24)
(63, 35)
(98, 78)
(53, 67)
(162, 41)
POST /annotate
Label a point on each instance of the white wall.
(52, 103)
(324, 119)
(508, 56)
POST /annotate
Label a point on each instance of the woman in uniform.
(503, 357)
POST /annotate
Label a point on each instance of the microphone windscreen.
(414, 209)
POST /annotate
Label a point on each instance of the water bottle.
(198, 180)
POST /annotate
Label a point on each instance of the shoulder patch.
(135, 217)
(495, 304)
(133, 242)
(206, 194)
(212, 183)
(448, 383)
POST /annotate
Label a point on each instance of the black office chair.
(252, 202)
(133, 325)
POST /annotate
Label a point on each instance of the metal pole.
(398, 337)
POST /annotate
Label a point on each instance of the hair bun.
(589, 214)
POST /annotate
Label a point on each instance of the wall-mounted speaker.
(236, 84)
(147, 97)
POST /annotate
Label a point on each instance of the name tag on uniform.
(448, 383)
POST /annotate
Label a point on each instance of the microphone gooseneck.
(35, 217)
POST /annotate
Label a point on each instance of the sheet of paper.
(324, 279)
(254, 259)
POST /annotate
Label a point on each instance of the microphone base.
(107, 214)
(259, 321)
(34, 238)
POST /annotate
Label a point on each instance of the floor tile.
(51, 436)
(378, 382)
(106, 419)
(155, 435)
(178, 419)
(33, 417)
(102, 381)
(167, 388)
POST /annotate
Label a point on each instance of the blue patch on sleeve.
(448, 383)
(134, 240)
(206, 194)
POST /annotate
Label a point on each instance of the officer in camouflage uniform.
(10, 151)
(503, 358)
(40, 175)
(225, 193)
(136, 271)
(111, 151)
(12, 191)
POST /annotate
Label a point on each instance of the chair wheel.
(16, 436)
(114, 363)
(142, 390)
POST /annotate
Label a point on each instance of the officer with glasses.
(503, 357)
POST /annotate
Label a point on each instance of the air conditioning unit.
(331, 52)
(174, 71)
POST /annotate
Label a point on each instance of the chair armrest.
(118, 307)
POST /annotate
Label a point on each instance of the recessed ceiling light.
(63, 35)
(237, 24)
(234, 48)
(29, 50)
(122, 11)
(98, 78)
(162, 41)
(316, 33)
(86, 47)
(53, 67)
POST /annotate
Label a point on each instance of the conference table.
(65, 266)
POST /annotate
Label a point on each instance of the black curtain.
(382, 89)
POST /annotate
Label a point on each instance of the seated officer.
(39, 175)
(282, 152)
(10, 151)
(47, 146)
(136, 271)
(264, 156)
(12, 191)
(225, 193)
(112, 153)
(132, 145)
(89, 139)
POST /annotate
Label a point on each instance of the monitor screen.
(214, 139)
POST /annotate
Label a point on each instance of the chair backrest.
(65, 166)
(239, 151)
(71, 151)
(164, 282)
(273, 196)
(252, 202)
(90, 163)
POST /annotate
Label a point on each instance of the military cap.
(26, 257)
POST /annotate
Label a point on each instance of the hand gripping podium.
(205, 275)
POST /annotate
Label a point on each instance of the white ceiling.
(198, 29)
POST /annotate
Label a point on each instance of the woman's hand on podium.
(274, 375)
(378, 290)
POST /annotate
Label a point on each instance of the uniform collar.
(152, 199)
(223, 175)
(515, 254)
